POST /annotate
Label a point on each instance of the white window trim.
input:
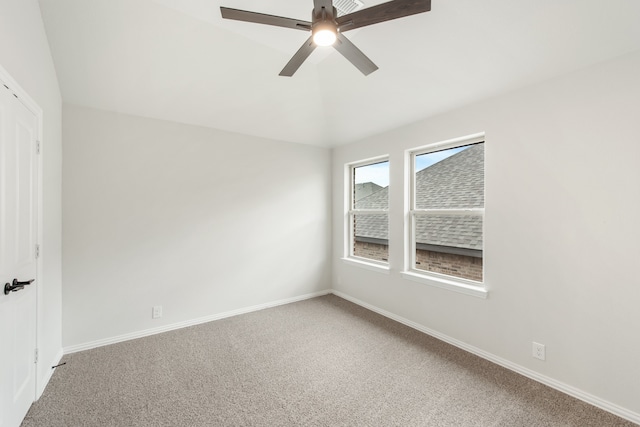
(452, 283)
(349, 257)
(367, 264)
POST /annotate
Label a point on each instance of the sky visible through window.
(378, 173)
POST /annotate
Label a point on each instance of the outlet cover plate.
(538, 351)
(157, 312)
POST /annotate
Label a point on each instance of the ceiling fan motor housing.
(324, 28)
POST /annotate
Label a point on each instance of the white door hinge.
(38, 147)
(37, 251)
(35, 356)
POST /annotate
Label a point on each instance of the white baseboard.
(560, 386)
(48, 372)
(186, 323)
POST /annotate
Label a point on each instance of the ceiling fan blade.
(354, 55)
(261, 18)
(297, 60)
(382, 12)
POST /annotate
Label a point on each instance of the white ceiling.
(179, 60)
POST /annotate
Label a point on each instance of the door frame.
(32, 105)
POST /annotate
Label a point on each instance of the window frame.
(351, 212)
(457, 284)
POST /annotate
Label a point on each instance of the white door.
(18, 238)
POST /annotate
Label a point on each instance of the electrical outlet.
(538, 351)
(157, 312)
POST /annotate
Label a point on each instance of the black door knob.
(15, 286)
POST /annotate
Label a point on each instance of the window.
(368, 220)
(447, 211)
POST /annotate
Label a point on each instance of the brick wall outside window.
(373, 251)
(466, 267)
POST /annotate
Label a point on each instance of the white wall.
(561, 231)
(25, 55)
(197, 220)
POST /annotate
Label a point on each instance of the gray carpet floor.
(319, 362)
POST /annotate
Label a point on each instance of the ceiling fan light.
(324, 36)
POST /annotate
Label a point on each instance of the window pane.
(369, 180)
(450, 244)
(371, 236)
(450, 179)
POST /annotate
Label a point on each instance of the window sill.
(367, 265)
(452, 285)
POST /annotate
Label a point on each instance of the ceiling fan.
(326, 28)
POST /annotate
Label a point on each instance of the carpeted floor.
(320, 362)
